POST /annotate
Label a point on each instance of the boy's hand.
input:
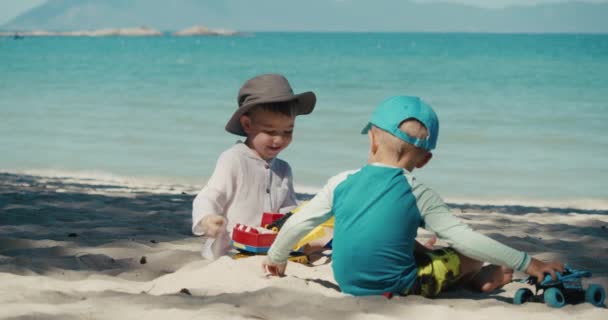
(214, 225)
(430, 244)
(538, 269)
(273, 268)
(427, 246)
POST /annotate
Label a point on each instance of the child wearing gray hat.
(379, 208)
(248, 178)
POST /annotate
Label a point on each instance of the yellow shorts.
(437, 270)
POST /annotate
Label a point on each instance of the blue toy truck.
(568, 288)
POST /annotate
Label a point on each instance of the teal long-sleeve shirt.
(378, 210)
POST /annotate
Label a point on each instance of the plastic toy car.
(568, 288)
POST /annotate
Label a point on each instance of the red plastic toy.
(270, 217)
(255, 240)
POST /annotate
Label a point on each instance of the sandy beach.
(89, 249)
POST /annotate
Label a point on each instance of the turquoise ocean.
(522, 116)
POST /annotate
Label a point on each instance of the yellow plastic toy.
(318, 232)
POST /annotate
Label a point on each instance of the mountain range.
(312, 15)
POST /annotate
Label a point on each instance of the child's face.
(268, 133)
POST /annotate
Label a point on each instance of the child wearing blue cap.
(379, 208)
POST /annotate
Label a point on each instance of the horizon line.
(246, 32)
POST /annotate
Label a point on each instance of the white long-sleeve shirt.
(242, 187)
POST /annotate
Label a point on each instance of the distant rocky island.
(204, 31)
(122, 32)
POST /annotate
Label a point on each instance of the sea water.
(521, 115)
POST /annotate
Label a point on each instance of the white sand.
(72, 249)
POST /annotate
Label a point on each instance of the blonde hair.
(394, 146)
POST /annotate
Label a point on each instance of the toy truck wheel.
(522, 296)
(554, 298)
(595, 295)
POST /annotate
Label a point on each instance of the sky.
(11, 8)
(504, 3)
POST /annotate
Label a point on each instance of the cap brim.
(305, 104)
(366, 128)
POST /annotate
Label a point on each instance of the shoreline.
(107, 183)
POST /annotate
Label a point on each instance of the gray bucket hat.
(268, 88)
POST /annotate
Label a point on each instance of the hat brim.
(305, 104)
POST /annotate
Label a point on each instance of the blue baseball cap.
(393, 111)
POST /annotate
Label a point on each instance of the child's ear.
(246, 123)
(427, 157)
(373, 143)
